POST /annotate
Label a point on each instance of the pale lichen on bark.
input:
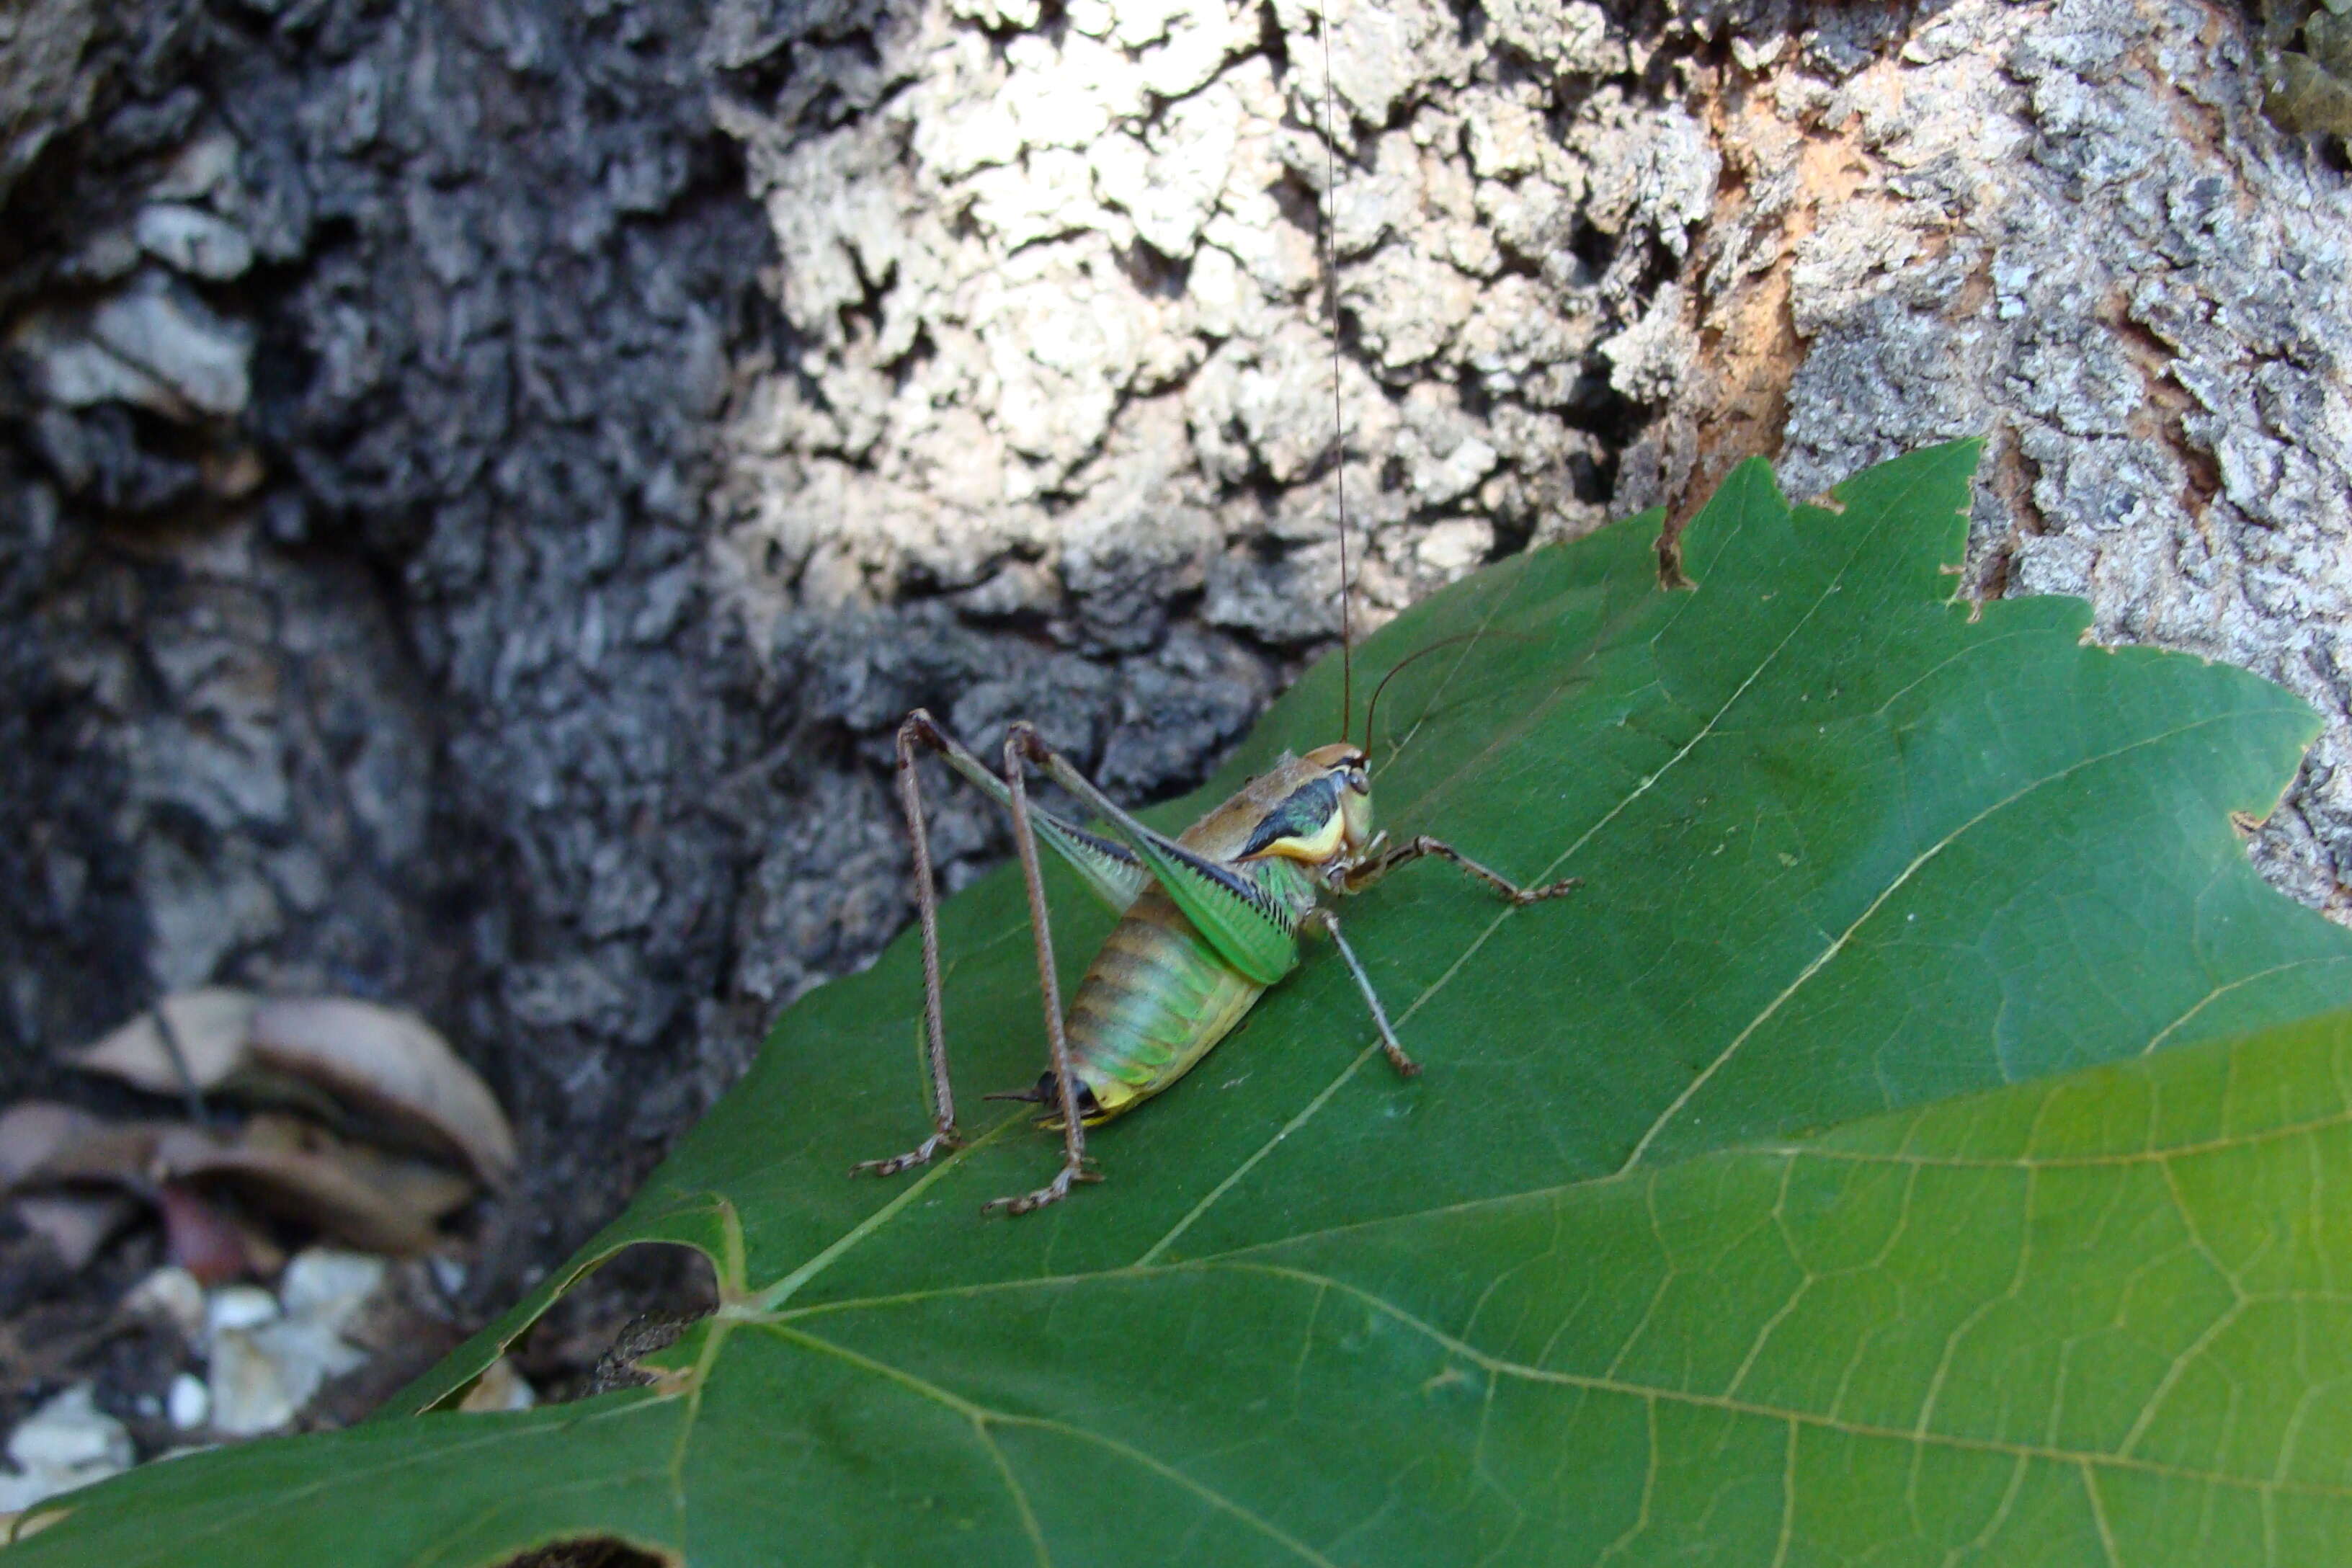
(1058, 335)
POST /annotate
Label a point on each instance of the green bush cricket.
(1210, 919)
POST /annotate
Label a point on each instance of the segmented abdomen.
(1154, 1000)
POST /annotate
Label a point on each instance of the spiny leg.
(1020, 742)
(1406, 1066)
(1358, 880)
(918, 728)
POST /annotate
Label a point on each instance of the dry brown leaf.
(302, 1172)
(75, 1224)
(318, 1190)
(109, 1154)
(427, 1191)
(203, 1240)
(353, 1194)
(211, 1024)
(33, 1131)
(389, 1061)
(31, 1522)
(501, 1386)
(385, 1061)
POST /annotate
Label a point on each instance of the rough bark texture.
(366, 366)
(2071, 228)
(482, 481)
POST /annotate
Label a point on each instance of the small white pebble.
(263, 1376)
(448, 1274)
(173, 1294)
(500, 1387)
(70, 1436)
(238, 1306)
(189, 1402)
(247, 1396)
(329, 1284)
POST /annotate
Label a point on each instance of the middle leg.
(1405, 1066)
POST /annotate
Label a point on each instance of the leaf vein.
(978, 1413)
(2046, 1452)
(1827, 954)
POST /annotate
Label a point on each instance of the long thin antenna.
(1338, 415)
(1372, 719)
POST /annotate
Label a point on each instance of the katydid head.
(1350, 768)
(1314, 810)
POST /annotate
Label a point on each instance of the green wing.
(1252, 926)
(1109, 870)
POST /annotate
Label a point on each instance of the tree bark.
(482, 481)
(2069, 228)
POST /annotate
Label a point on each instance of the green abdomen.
(1154, 1000)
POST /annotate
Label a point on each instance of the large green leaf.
(1682, 1246)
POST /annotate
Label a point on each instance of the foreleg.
(1365, 875)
